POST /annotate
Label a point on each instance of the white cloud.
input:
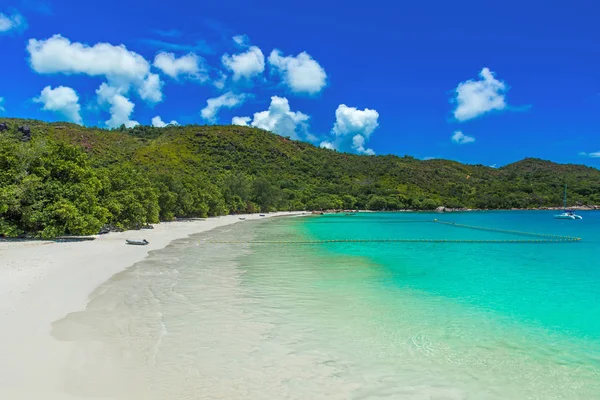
(1, 103)
(58, 55)
(280, 119)
(120, 107)
(245, 65)
(241, 40)
(477, 97)
(220, 82)
(352, 128)
(241, 121)
(151, 89)
(121, 67)
(159, 123)
(327, 145)
(14, 22)
(461, 138)
(189, 66)
(593, 155)
(358, 144)
(228, 100)
(62, 100)
(352, 121)
(302, 74)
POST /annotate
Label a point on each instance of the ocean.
(259, 311)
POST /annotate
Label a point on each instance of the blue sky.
(484, 83)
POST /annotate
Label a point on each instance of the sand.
(41, 282)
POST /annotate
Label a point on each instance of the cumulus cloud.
(159, 123)
(241, 121)
(120, 107)
(150, 89)
(245, 65)
(351, 121)
(1, 103)
(460, 138)
(358, 144)
(280, 119)
(352, 129)
(189, 66)
(10, 23)
(227, 100)
(327, 145)
(58, 55)
(121, 67)
(302, 74)
(62, 100)
(474, 98)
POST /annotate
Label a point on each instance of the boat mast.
(565, 201)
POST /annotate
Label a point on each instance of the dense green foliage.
(73, 180)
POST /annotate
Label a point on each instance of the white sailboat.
(567, 214)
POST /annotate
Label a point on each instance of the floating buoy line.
(538, 238)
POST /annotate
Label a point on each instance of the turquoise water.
(552, 286)
(470, 320)
(205, 320)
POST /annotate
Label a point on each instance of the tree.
(376, 203)
(326, 202)
(129, 196)
(348, 201)
(48, 189)
(265, 194)
(237, 190)
(70, 179)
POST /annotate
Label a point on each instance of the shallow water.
(200, 320)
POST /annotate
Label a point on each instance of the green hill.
(67, 179)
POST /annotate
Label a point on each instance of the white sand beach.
(42, 281)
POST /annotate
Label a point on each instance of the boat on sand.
(137, 242)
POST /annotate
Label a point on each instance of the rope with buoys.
(544, 238)
(482, 228)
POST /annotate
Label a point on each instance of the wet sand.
(41, 282)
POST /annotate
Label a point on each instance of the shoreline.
(448, 209)
(42, 281)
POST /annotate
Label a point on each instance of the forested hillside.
(66, 179)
